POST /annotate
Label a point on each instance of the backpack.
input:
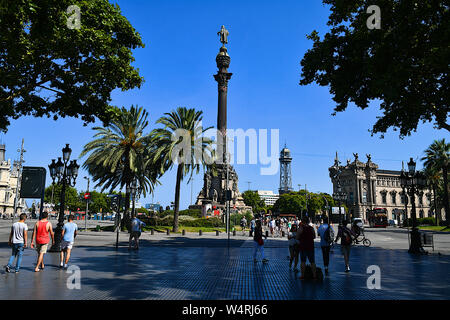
(327, 235)
(346, 237)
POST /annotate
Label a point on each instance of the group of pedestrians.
(40, 239)
(301, 237)
(301, 241)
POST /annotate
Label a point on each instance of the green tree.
(72, 200)
(404, 64)
(437, 159)
(99, 202)
(252, 199)
(171, 149)
(434, 181)
(121, 153)
(48, 69)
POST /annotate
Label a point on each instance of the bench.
(426, 239)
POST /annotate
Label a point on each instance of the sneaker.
(17, 271)
(61, 265)
(265, 260)
(7, 269)
(347, 269)
(65, 266)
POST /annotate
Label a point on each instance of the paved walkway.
(177, 267)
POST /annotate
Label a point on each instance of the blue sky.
(266, 43)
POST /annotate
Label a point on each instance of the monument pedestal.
(213, 194)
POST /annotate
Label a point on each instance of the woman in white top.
(293, 248)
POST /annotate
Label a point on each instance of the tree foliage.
(72, 201)
(169, 151)
(48, 69)
(302, 201)
(252, 199)
(404, 64)
(437, 165)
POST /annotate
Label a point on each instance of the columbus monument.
(213, 196)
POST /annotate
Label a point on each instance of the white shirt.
(18, 229)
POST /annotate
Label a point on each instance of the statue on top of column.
(223, 33)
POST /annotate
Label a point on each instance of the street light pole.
(65, 173)
(87, 205)
(413, 181)
(19, 179)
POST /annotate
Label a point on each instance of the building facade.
(368, 187)
(8, 186)
(268, 196)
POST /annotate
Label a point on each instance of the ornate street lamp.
(340, 196)
(413, 182)
(64, 174)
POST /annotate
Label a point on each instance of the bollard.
(199, 232)
(250, 233)
(234, 232)
(168, 232)
(152, 231)
(183, 232)
(217, 232)
(283, 234)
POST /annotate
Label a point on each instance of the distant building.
(8, 186)
(153, 206)
(268, 196)
(368, 187)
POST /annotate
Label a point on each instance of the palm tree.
(437, 158)
(433, 178)
(180, 142)
(119, 154)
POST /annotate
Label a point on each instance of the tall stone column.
(222, 77)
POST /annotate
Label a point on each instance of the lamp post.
(413, 181)
(340, 196)
(116, 205)
(66, 174)
(132, 189)
(87, 204)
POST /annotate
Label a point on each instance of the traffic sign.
(87, 195)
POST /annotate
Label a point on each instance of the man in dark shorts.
(306, 236)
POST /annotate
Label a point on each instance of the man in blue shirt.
(136, 228)
(326, 239)
(68, 236)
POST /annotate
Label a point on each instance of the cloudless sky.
(266, 43)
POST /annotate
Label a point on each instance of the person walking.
(259, 242)
(326, 234)
(243, 223)
(252, 226)
(306, 236)
(18, 239)
(346, 235)
(42, 229)
(69, 234)
(293, 247)
(136, 230)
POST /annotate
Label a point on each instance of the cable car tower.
(285, 171)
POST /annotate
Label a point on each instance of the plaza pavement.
(204, 267)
